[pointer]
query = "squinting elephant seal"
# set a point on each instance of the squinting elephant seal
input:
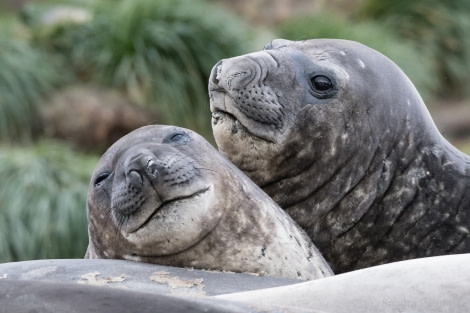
(164, 195)
(339, 137)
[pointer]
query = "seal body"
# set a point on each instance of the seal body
(164, 195)
(428, 285)
(339, 137)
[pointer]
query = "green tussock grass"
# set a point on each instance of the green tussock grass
(159, 51)
(27, 76)
(43, 202)
(440, 29)
(464, 147)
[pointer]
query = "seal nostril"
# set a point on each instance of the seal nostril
(152, 168)
(216, 73)
(135, 178)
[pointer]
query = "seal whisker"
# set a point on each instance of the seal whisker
(107, 215)
(201, 166)
(208, 169)
(122, 221)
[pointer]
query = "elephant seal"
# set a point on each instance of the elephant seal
(164, 195)
(340, 138)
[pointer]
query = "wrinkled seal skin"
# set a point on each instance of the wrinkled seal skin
(339, 137)
(164, 195)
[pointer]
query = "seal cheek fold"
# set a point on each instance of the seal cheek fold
(155, 212)
(141, 216)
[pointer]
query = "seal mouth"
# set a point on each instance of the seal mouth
(220, 116)
(168, 203)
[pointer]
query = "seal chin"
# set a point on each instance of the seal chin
(234, 140)
(176, 226)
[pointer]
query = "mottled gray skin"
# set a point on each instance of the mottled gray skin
(164, 195)
(339, 137)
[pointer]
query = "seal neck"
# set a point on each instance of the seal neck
(411, 197)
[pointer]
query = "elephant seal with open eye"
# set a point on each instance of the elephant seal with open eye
(339, 137)
(164, 195)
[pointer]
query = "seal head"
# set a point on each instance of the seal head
(339, 137)
(142, 190)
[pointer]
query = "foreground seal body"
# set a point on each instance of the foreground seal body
(164, 195)
(339, 137)
(428, 285)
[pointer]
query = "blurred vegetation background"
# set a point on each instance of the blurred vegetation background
(77, 75)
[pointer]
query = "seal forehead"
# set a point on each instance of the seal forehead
(144, 135)
(344, 59)
(345, 53)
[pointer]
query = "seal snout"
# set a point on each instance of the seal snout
(160, 169)
(241, 98)
(129, 196)
(229, 75)
(141, 166)
(225, 76)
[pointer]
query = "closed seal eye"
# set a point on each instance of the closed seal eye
(177, 138)
(102, 177)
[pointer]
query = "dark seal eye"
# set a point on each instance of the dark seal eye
(101, 178)
(322, 83)
(322, 86)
